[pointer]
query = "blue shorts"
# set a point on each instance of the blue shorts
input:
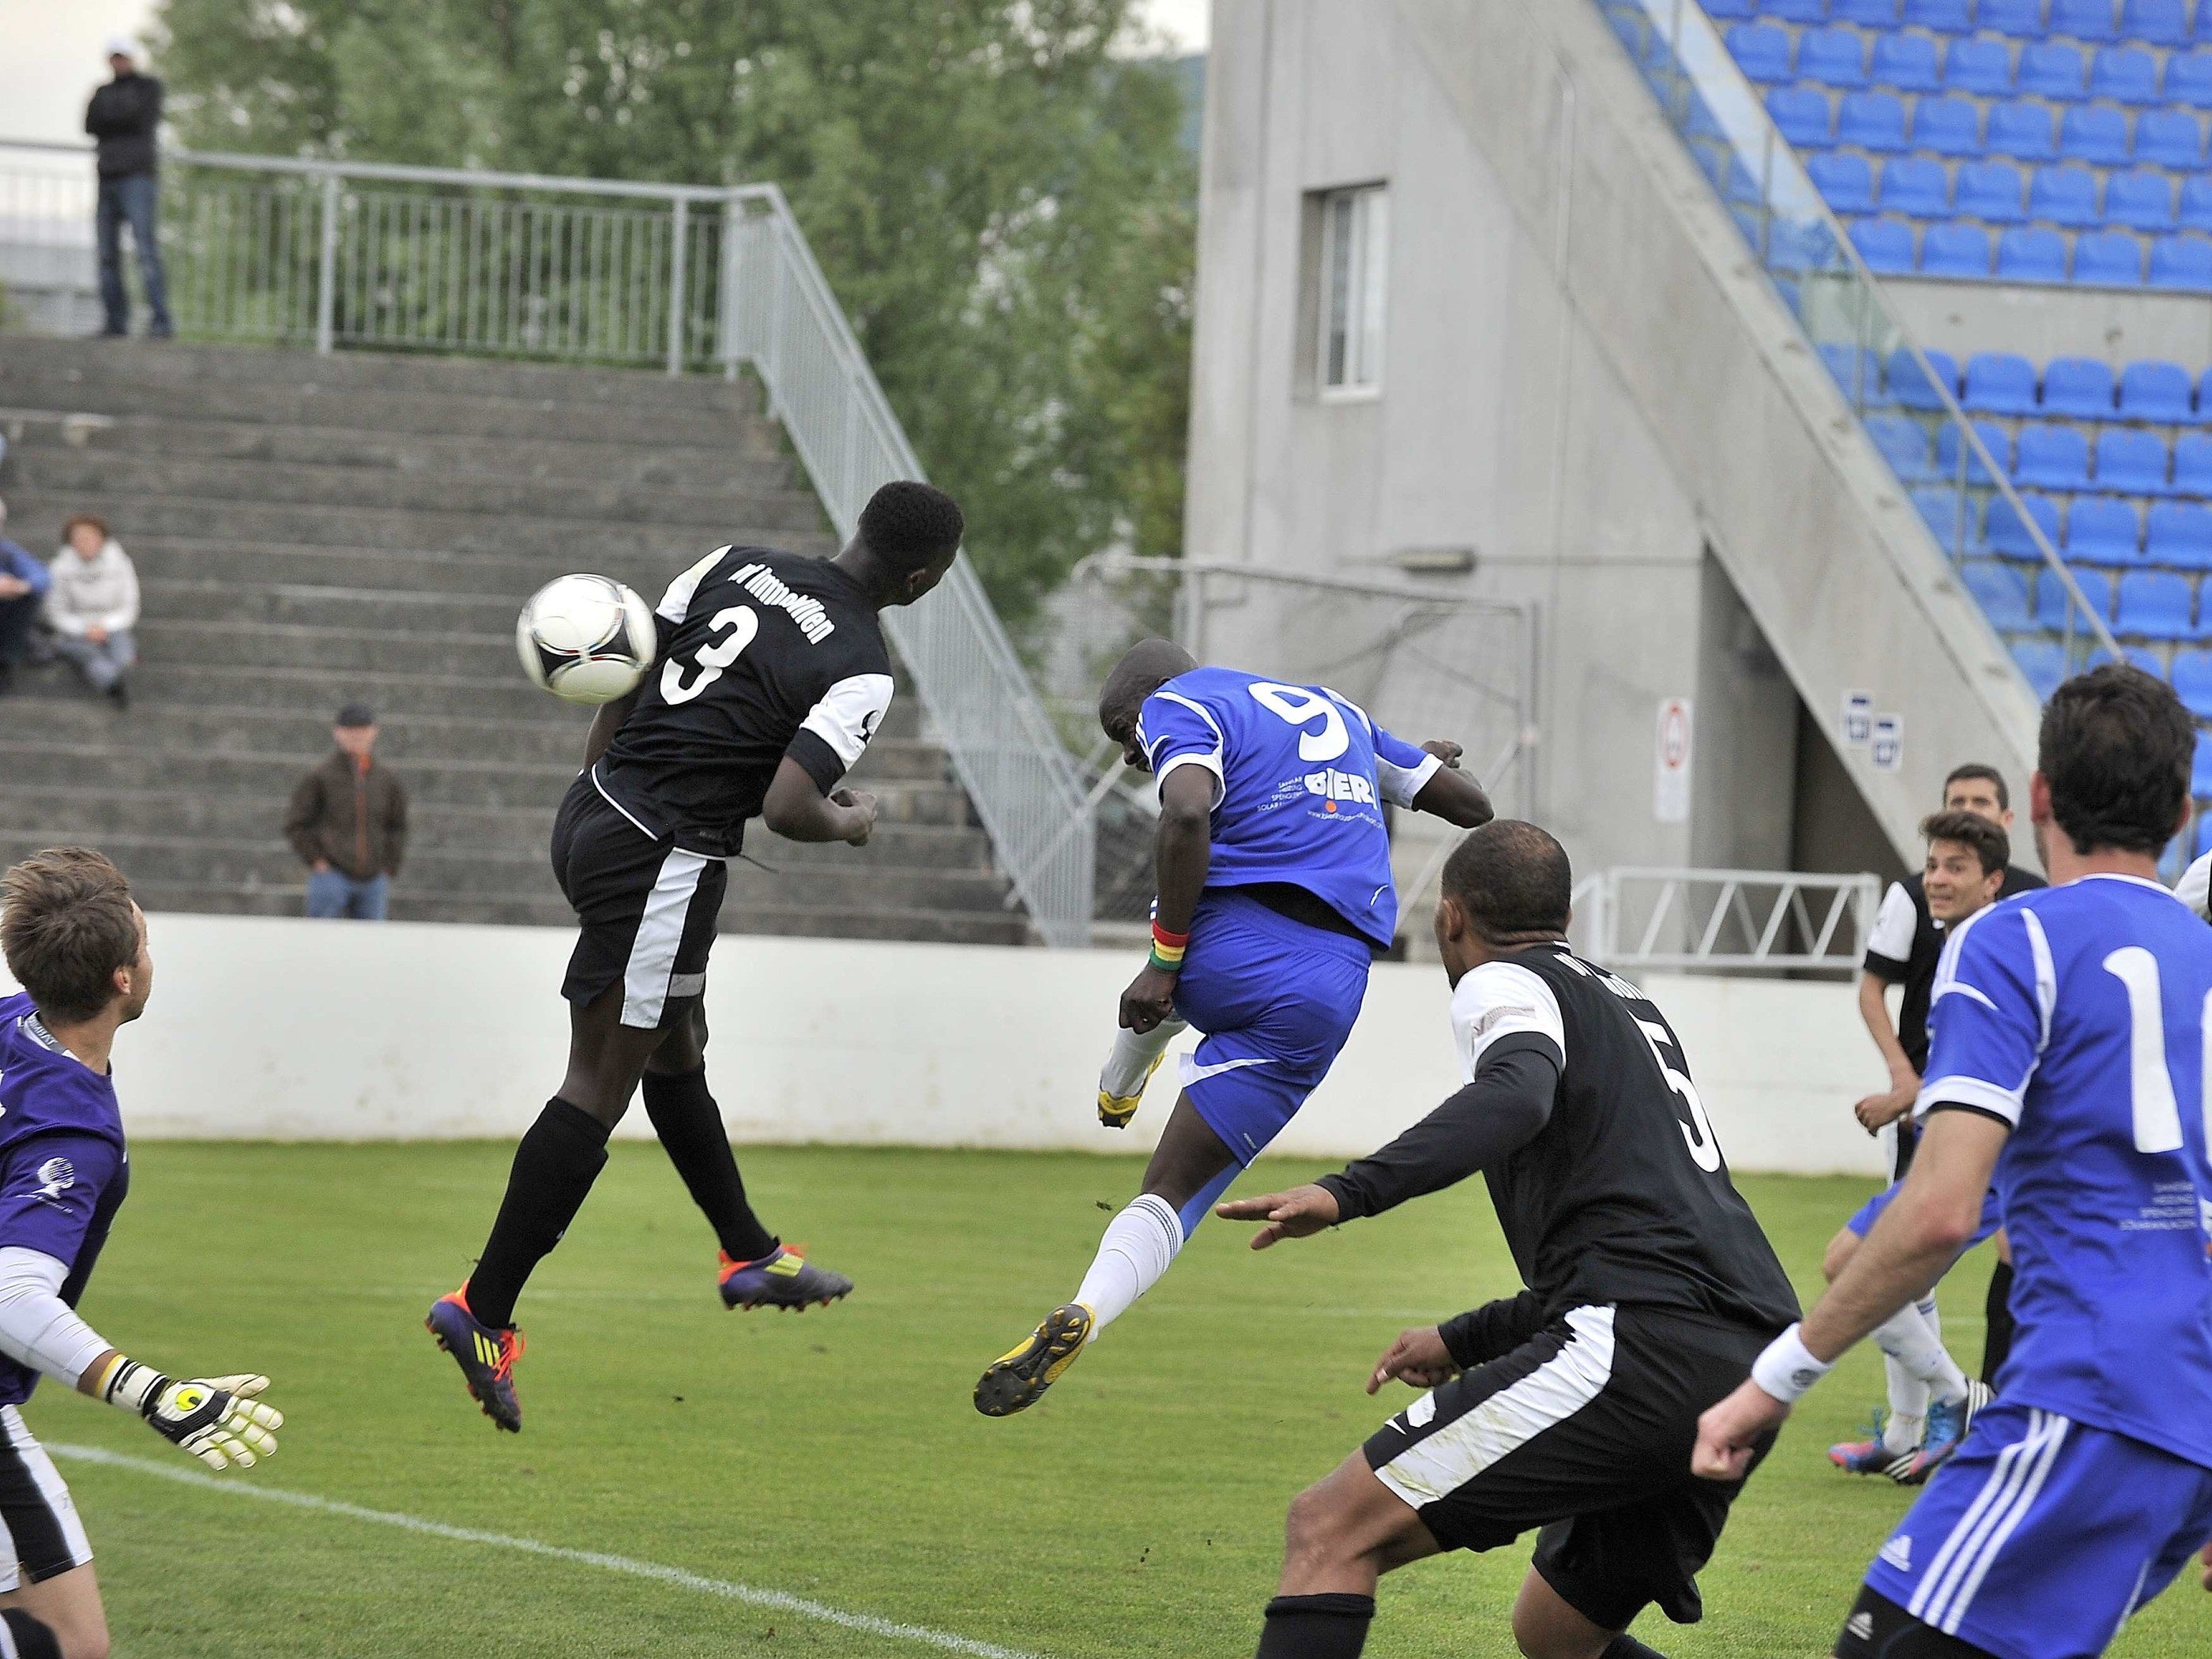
(1276, 999)
(2041, 1535)
(1870, 1211)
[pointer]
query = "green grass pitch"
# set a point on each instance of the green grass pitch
(835, 1455)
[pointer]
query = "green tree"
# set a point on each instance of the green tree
(1001, 201)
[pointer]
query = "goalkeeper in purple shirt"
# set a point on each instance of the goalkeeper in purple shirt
(76, 943)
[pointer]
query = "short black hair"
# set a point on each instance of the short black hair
(910, 525)
(1513, 880)
(1989, 844)
(2116, 750)
(1145, 667)
(1987, 774)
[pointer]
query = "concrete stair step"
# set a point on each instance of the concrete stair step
(244, 561)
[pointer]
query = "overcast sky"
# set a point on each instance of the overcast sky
(50, 54)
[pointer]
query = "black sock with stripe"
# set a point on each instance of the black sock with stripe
(1317, 1626)
(31, 1639)
(1996, 1341)
(559, 1158)
(691, 1131)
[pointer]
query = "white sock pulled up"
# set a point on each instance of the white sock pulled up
(1125, 1067)
(1908, 1337)
(1139, 1245)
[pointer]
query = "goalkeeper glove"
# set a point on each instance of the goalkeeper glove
(217, 1419)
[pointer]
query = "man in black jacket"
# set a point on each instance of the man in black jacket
(122, 116)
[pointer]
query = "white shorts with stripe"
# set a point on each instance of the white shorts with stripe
(44, 1538)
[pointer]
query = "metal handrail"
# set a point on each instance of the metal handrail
(1669, 906)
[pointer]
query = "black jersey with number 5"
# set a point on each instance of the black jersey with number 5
(1623, 1196)
(762, 654)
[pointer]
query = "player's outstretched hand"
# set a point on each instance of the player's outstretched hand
(217, 1419)
(1418, 1359)
(862, 805)
(1729, 1431)
(1299, 1214)
(1446, 752)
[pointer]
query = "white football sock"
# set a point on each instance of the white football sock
(1123, 1073)
(1139, 1244)
(1907, 1422)
(1907, 1337)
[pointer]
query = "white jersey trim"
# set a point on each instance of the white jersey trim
(676, 603)
(1400, 784)
(849, 713)
(1894, 925)
(1499, 998)
(1211, 762)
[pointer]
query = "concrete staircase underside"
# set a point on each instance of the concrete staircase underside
(310, 531)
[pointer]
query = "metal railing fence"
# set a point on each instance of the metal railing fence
(292, 252)
(1725, 919)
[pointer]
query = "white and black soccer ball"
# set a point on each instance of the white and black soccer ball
(585, 639)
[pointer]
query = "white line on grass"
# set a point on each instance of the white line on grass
(777, 1600)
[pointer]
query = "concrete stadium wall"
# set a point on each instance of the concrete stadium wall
(2117, 325)
(275, 1029)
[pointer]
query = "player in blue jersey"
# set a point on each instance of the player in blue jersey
(2067, 1057)
(76, 943)
(1273, 866)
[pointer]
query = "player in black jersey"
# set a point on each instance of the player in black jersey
(1569, 1407)
(771, 676)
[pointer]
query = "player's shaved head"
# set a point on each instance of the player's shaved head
(1145, 667)
(1513, 881)
(910, 525)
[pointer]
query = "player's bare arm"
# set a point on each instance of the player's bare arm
(1915, 1240)
(605, 722)
(1451, 794)
(1893, 1102)
(1182, 855)
(797, 809)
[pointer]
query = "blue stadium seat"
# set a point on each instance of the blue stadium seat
(2052, 457)
(2153, 390)
(2141, 200)
(1998, 383)
(2160, 22)
(2192, 466)
(1873, 14)
(2169, 138)
(1871, 120)
(1760, 49)
(1907, 63)
(2102, 531)
(2091, 133)
(1912, 388)
(2007, 531)
(2022, 19)
(1947, 126)
(2064, 196)
(1939, 509)
(1723, 11)
(2129, 463)
(2031, 255)
(1886, 245)
(2080, 388)
(2124, 75)
(2192, 682)
(2052, 70)
(2085, 20)
(2204, 400)
(2180, 534)
(1833, 58)
(1796, 11)
(1999, 592)
(2108, 258)
(1995, 439)
(1805, 116)
(1799, 244)
(2043, 662)
(2202, 31)
(2189, 79)
(1990, 192)
(2024, 130)
(1915, 186)
(1955, 250)
(1981, 69)
(2052, 602)
(1903, 442)
(2155, 605)
(2200, 767)
(1941, 16)
(2182, 263)
(2197, 203)
(1846, 182)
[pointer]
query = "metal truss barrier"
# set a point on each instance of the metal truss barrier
(1731, 920)
(280, 251)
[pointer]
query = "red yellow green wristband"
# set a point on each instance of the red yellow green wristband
(1168, 949)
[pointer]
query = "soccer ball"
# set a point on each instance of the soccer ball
(585, 639)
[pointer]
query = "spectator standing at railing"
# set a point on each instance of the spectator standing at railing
(23, 583)
(92, 606)
(348, 823)
(123, 117)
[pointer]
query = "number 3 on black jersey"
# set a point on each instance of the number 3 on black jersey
(713, 657)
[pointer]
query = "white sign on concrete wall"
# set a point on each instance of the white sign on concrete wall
(1670, 756)
(1888, 741)
(1858, 719)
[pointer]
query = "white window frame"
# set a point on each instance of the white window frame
(1354, 293)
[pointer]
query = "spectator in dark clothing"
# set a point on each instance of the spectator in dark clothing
(348, 823)
(123, 116)
(23, 582)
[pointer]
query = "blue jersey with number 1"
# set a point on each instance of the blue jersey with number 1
(1300, 776)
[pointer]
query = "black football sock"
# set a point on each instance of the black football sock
(559, 1158)
(1996, 1338)
(1625, 1646)
(1317, 1626)
(32, 1640)
(689, 1125)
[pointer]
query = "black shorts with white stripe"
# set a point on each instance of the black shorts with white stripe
(648, 910)
(44, 1536)
(1584, 1431)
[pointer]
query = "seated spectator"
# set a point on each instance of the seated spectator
(348, 823)
(23, 584)
(92, 606)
